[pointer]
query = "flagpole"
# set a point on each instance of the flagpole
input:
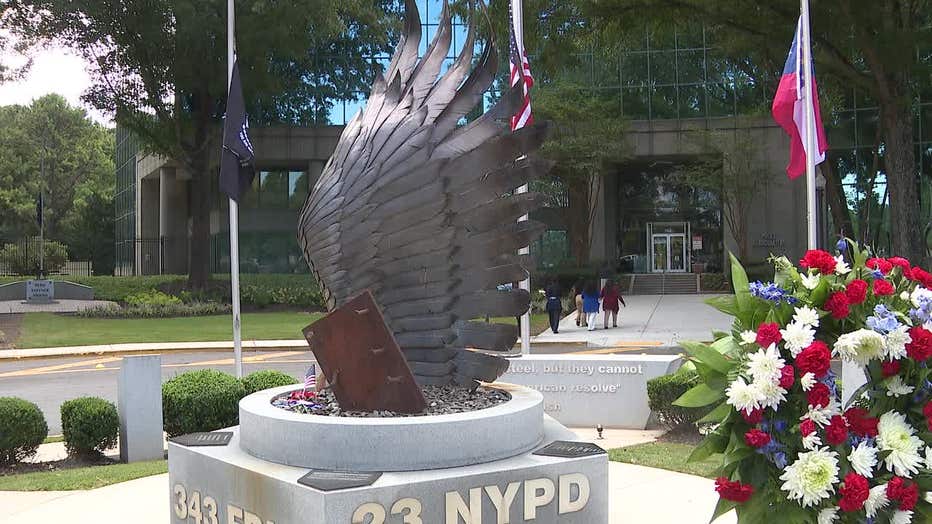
(525, 325)
(811, 144)
(234, 216)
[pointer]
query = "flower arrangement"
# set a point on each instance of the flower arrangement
(788, 445)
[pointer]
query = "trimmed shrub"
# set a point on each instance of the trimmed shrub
(22, 429)
(194, 309)
(663, 391)
(203, 400)
(152, 297)
(90, 425)
(266, 379)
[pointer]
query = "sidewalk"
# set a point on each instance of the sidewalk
(636, 495)
(649, 320)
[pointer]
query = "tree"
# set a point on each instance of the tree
(160, 68)
(870, 45)
(53, 147)
(736, 174)
(587, 135)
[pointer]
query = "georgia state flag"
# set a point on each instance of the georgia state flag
(789, 109)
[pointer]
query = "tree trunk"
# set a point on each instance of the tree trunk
(902, 180)
(199, 248)
(577, 218)
(837, 202)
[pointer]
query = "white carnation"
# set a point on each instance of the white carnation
(748, 337)
(828, 516)
(806, 316)
(812, 477)
(765, 365)
(863, 459)
(901, 517)
(894, 343)
(811, 281)
(797, 337)
(743, 396)
(841, 267)
(899, 438)
(773, 394)
(904, 296)
(896, 387)
(860, 346)
(876, 500)
(807, 381)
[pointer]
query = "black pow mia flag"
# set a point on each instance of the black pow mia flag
(237, 160)
(39, 209)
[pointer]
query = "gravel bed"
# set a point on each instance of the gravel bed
(441, 400)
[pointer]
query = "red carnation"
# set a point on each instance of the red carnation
(821, 260)
(879, 263)
(856, 291)
(920, 275)
(901, 263)
(819, 395)
(861, 423)
(787, 377)
(906, 494)
(920, 348)
(807, 427)
(854, 492)
(889, 368)
(836, 433)
(754, 417)
(733, 490)
(837, 305)
(768, 333)
(756, 438)
(815, 359)
(927, 409)
(883, 288)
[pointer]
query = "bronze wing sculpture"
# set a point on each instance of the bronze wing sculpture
(419, 209)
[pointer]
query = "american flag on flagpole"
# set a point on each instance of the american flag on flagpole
(519, 65)
(310, 378)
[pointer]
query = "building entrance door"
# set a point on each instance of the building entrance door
(668, 253)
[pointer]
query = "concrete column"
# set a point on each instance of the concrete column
(140, 408)
(173, 218)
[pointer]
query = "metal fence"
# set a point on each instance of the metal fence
(21, 258)
(140, 256)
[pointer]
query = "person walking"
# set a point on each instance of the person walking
(611, 296)
(577, 297)
(554, 304)
(591, 303)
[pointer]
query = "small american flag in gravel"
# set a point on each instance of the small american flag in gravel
(310, 378)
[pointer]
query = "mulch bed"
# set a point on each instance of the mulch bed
(68, 463)
(685, 435)
(441, 400)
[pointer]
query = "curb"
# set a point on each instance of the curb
(151, 347)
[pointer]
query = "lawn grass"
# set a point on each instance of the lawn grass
(53, 439)
(81, 478)
(666, 455)
(51, 330)
(540, 322)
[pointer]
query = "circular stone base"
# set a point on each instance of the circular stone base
(390, 443)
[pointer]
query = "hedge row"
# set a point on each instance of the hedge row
(663, 391)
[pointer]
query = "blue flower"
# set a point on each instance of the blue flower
(779, 459)
(771, 292)
(842, 246)
(883, 320)
(877, 274)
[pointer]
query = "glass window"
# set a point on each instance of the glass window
(634, 69)
(663, 102)
(635, 103)
(273, 189)
(690, 67)
(663, 67)
(721, 100)
(297, 188)
(692, 101)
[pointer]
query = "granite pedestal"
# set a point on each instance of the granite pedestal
(227, 484)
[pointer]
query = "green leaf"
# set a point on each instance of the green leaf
(717, 415)
(699, 396)
(727, 304)
(711, 445)
(707, 355)
(723, 506)
(739, 282)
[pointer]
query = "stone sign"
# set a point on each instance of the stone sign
(40, 291)
(585, 390)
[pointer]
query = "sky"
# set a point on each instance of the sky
(55, 70)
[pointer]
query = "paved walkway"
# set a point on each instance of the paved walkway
(636, 495)
(59, 306)
(649, 320)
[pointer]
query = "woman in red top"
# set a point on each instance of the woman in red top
(611, 296)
